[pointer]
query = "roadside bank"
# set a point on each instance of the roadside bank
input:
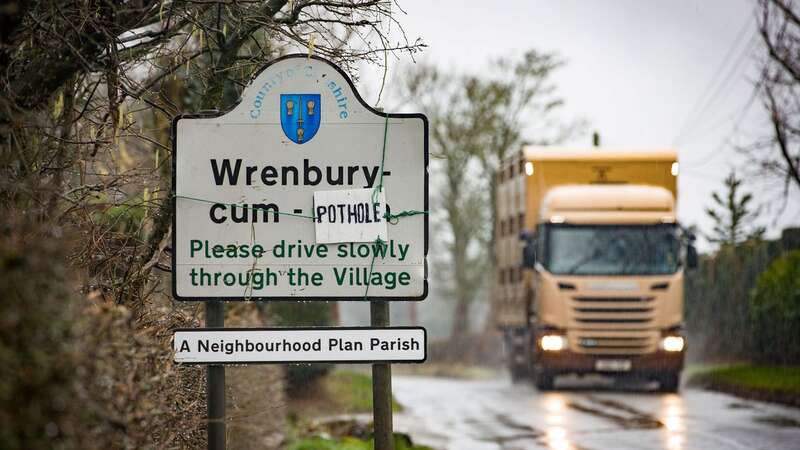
(776, 384)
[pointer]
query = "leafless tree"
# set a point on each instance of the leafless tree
(459, 210)
(517, 103)
(477, 122)
(778, 154)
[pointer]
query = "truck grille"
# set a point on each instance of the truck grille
(614, 299)
(613, 325)
(612, 342)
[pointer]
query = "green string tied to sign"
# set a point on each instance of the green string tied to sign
(394, 219)
(379, 187)
(375, 193)
(381, 247)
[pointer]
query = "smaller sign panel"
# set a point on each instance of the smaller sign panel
(290, 345)
(350, 215)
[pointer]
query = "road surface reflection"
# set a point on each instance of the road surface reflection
(672, 416)
(556, 436)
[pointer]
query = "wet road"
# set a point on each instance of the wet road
(452, 414)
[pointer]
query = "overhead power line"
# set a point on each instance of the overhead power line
(723, 88)
(704, 101)
(716, 151)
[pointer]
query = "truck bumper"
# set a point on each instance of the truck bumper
(564, 362)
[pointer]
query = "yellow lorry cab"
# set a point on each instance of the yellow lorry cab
(590, 263)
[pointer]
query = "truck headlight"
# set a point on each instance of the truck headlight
(672, 343)
(553, 342)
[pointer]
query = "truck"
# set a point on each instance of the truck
(589, 264)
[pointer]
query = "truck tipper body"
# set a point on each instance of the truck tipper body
(590, 263)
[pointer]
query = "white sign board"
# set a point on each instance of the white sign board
(275, 345)
(244, 192)
(352, 215)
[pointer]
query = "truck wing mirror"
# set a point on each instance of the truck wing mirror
(691, 256)
(528, 249)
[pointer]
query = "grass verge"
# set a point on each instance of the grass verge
(338, 392)
(334, 413)
(779, 384)
(352, 391)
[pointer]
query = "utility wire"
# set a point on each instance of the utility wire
(723, 87)
(702, 100)
(705, 159)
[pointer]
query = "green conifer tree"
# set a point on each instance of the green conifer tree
(733, 215)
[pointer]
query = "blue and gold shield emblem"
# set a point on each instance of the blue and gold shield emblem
(300, 116)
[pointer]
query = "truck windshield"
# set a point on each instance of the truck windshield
(611, 249)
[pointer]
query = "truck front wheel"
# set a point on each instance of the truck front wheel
(518, 354)
(669, 382)
(519, 367)
(543, 380)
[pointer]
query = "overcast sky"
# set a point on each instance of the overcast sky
(649, 74)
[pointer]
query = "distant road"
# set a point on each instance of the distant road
(450, 414)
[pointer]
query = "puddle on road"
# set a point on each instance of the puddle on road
(554, 438)
(778, 421)
(737, 405)
(775, 420)
(616, 405)
(631, 419)
(514, 425)
(506, 439)
(520, 431)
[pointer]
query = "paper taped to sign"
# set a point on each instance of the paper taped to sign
(350, 215)
(285, 345)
